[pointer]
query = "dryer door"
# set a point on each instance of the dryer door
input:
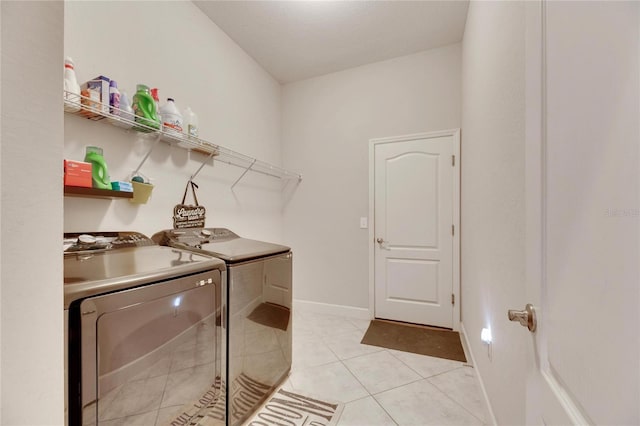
(156, 350)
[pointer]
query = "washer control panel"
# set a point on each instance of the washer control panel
(193, 237)
(90, 241)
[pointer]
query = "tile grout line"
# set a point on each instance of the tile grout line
(383, 409)
(415, 371)
(415, 381)
(369, 394)
(373, 394)
(445, 372)
(399, 386)
(456, 402)
(377, 403)
(355, 356)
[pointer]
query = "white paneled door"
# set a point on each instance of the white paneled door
(583, 174)
(415, 225)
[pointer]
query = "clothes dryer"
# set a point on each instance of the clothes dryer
(259, 328)
(142, 329)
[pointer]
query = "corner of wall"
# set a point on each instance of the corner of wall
(489, 417)
(31, 349)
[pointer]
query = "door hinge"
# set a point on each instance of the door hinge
(453, 230)
(453, 160)
(453, 299)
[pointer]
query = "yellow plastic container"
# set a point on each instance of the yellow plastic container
(141, 192)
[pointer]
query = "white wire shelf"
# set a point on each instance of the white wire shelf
(93, 110)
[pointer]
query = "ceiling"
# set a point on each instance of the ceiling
(295, 40)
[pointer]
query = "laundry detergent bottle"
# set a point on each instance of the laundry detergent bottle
(144, 107)
(99, 172)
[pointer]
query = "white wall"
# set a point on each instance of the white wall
(327, 124)
(175, 47)
(31, 350)
(492, 198)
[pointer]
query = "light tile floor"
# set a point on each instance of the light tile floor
(379, 386)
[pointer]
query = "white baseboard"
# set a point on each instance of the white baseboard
(330, 309)
(490, 418)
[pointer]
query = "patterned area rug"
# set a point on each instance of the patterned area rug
(288, 408)
(282, 408)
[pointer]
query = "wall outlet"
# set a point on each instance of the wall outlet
(364, 223)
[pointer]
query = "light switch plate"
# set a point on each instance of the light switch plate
(364, 223)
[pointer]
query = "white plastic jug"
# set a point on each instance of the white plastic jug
(171, 117)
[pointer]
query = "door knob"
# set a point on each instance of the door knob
(526, 318)
(382, 243)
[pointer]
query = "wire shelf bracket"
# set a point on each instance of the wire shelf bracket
(204, 162)
(243, 173)
(146, 156)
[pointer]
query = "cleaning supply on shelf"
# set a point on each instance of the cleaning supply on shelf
(144, 108)
(114, 96)
(171, 117)
(99, 172)
(142, 188)
(77, 173)
(90, 103)
(100, 84)
(71, 87)
(122, 186)
(190, 123)
(156, 98)
(124, 111)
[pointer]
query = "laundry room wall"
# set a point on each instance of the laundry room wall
(31, 305)
(493, 199)
(173, 46)
(327, 124)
